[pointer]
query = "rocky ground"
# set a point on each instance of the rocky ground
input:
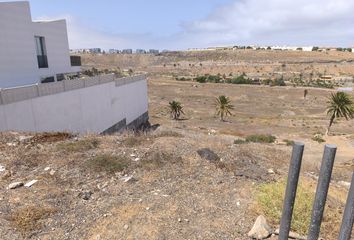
(159, 185)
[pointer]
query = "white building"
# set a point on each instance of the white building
(32, 52)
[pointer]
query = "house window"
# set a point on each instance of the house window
(41, 52)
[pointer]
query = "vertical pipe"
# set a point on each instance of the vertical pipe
(321, 191)
(348, 217)
(291, 187)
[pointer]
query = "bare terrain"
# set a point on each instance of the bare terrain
(155, 185)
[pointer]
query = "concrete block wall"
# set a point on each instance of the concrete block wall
(90, 105)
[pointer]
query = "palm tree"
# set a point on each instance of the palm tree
(339, 105)
(176, 109)
(223, 106)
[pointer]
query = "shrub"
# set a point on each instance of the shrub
(201, 79)
(108, 163)
(318, 138)
(239, 141)
(242, 79)
(79, 146)
(289, 142)
(261, 138)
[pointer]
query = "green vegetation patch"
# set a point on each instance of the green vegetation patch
(261, 138)
(108, 163)
(79, 146)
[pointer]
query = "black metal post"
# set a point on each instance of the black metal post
(291, 187)
(322, 191)
(348, 216)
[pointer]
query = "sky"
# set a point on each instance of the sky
(183, 24)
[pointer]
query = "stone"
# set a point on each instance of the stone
(52, 172)
(126, 226)
(30, 183)
(85, 195)
(292, 235)
(15, 185)
(344, 184)
(2, 168)
(128, 179)
(260, 229)
(47, 169)
(270, 171)
(208, 154)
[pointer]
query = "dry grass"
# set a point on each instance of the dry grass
(51, 137)
(157, 159)
(79, 146)
(28, 219)
(108, 163)
(270, 197)
(168, 134)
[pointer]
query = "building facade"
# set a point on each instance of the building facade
(32, 52)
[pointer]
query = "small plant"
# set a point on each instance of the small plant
(261, 138)
(289, 142)
(239, 141)
(79, 146)
(318, 138)
(176, 109)
(223, 107)
(108, 163)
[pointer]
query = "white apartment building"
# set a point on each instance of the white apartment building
(32, 52)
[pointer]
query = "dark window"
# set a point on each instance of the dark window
(47, 80)
(41, 52)
(75, 61)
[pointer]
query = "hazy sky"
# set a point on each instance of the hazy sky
(181, 24)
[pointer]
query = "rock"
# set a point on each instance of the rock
(15, 185)
(129, 179)
(11, 144)
(270, 171)
(126, 226)
(47, 169)
(2, 168)
(52, 172)
(30, 183)
(136, 159)
(292, 235)
(85, 195)
(23, 139)
(208, 154)
(344, 184)
(260, 229)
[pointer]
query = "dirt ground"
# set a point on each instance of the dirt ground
(155, 185)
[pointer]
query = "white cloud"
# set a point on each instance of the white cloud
(269, 22)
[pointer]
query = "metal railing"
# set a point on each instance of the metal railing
(320, 198)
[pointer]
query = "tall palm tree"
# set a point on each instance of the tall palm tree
(339, 105)
(176, 109)
(223, 106)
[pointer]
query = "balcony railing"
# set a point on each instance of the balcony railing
(42, 61)
(75, 61)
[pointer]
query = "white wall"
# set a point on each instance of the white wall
(90, 109)
(18, 57)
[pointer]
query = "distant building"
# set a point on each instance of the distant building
(113, 51)
(94, 50)
(153, 51)
(127, 51)
(140, 51)
(32, 52)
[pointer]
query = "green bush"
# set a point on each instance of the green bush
(242, 79)
(261, 138)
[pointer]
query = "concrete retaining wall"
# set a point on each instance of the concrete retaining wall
(91, 105)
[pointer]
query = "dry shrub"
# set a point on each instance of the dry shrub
(108, 163)
(168, 134)
(134, 140)
(27, 219)
(157, 159)
(51, 137)
(30, 158)
(79, 146)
